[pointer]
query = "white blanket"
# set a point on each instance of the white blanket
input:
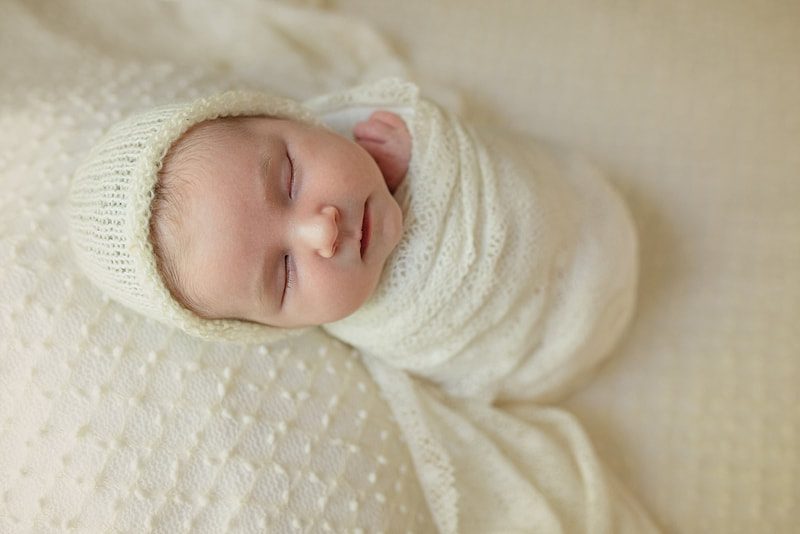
(516, 271)
(521, 468)
(113, 423)
(513, 277)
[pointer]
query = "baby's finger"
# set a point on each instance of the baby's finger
(392, 120)
(372, 130)
(381, 126)
(372, 146)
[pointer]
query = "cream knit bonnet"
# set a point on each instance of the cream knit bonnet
(110, 208)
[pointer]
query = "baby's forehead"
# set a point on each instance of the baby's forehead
(202, 142)
(210, 131)
(201, 148)
(198, 146)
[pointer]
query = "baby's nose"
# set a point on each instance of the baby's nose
(320, 231)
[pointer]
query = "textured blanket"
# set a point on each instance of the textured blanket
(516, 271)
(113, 423)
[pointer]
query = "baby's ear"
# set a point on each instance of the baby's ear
(386, 138)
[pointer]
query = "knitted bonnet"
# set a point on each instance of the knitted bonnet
(110, 208)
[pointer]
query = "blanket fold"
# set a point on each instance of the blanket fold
(517, 469)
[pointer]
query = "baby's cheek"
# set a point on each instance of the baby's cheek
(350, 294)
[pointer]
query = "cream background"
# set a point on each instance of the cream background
(694, 108)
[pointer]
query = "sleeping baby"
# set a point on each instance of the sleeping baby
(489, 264)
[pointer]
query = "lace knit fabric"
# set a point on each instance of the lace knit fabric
(516, 271)
(485, 469)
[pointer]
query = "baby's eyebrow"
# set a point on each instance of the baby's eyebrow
(264, 168)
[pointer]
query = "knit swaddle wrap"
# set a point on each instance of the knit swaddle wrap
(516, 270)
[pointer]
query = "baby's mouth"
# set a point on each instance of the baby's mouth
(366, 229)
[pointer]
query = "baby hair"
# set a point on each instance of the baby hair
(167, 231)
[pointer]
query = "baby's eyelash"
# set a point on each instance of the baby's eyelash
(289, 276)
(291, 175)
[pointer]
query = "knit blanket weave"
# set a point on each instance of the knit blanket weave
(112, 423)
(516, 271)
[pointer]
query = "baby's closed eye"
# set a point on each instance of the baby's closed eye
(291, 175)
(289, 275)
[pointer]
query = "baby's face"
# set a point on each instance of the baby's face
(282, 223)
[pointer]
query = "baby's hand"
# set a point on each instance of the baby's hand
(385, 136)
